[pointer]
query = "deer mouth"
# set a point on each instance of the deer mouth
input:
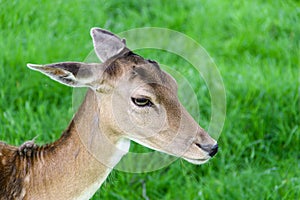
(208, 150)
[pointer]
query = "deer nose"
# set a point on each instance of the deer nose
(212, 150)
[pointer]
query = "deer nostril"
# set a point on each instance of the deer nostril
(213, 150)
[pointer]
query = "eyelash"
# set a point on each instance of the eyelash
(142, 102)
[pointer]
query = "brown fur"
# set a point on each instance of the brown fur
(60, 170)
(16, 164)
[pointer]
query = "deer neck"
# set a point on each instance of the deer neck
(93, 126)
(83, 156)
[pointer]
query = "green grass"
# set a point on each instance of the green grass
(255, 45)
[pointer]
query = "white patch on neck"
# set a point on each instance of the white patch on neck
(122, 147)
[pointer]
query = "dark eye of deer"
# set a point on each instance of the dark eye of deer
(142, 102)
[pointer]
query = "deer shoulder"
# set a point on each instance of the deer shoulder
(15, 163)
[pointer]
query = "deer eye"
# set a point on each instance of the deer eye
(142, 102)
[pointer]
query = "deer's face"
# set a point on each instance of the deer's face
(145, 108)
(137, 100)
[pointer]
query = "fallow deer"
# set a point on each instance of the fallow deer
(129, 98)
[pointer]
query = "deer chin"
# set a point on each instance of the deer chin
(197, 161)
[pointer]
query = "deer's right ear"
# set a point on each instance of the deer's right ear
(106, 44)
(75, 74)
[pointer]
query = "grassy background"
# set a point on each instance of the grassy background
(255, 44)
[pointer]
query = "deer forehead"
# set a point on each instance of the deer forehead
(141, 73)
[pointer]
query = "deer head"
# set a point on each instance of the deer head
(136, 99)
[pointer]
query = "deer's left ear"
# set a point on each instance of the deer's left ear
(74, 74)
(107, 44)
